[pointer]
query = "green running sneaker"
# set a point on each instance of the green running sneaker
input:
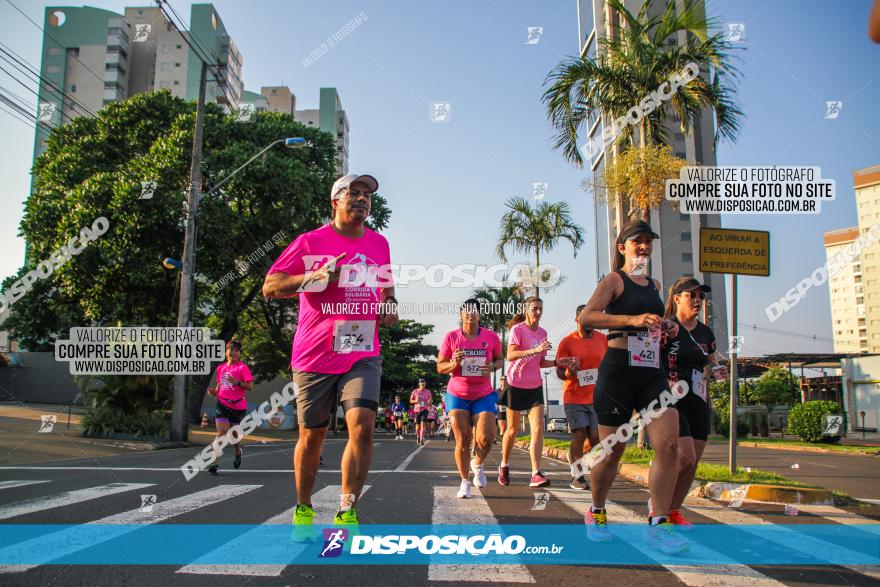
(346, 518)
(303, 518)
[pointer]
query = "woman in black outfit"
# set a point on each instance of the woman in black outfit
(691, 356)
(627, 303)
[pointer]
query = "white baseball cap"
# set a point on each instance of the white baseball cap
(346, 180)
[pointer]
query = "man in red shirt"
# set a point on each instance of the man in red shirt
(580, 354)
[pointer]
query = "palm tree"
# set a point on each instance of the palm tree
(634, 62)
(527, 229)
(503, 299)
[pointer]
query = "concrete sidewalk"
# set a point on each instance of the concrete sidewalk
(22, 442)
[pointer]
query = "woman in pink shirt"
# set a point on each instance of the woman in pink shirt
(526, 350)
(469, 355)
(234, 380)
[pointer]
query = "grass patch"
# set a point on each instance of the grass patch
(794, 443)
(721, 473)
(705, 472)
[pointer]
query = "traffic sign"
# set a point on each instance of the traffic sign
(739, 252)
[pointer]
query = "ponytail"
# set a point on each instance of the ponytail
(521, 316)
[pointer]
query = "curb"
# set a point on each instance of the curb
(638, 474)
(809, 449)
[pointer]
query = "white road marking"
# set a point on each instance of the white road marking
(66, 542)
(402, 467)
(324, 503)
(449, 509)
(11, 484)
(728, 574)
(782, 535)
(29, 506)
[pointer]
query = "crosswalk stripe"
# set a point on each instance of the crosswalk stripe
(324, 502)
(784, 536)
(829, 512)
(29, 506)
(449, 509)
(11, 484)
(66, 542)
(729, 573)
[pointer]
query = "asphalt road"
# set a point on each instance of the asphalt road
(857, 475)
(407, 486)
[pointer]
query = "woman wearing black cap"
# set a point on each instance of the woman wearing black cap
(627, 303)
(690, 356)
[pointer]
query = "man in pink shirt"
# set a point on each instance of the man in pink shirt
(341, 273)
(421, 399)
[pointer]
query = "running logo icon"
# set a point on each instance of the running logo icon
(539, 189)
(142, 32)
(535, 33)
(832, 109)
(47, 423)
(441, 112)
(334, 539)
(736, 32)
(147, 189)
(147, 503)
(47, 112)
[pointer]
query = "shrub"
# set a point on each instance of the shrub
(106, 420)
(807, 420)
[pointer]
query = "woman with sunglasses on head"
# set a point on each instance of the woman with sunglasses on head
(691, 357)
(627, 303)
(469, 355)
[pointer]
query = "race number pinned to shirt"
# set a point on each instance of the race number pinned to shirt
(644, 351)
(351, 336)
(699, 384)
(587, 376)
(472, 366)
(421, 404)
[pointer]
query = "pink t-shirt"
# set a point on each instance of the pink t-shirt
(478, 352)
(337, 323)
(421, 399)
(526, 372)
(227, 393)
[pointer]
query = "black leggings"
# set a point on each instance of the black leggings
(620, 388)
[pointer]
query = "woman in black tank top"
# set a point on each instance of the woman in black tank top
(627, 303)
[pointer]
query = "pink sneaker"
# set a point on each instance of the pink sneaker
(539, 480)
(504, 475)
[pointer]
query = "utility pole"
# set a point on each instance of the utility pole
(179, 414)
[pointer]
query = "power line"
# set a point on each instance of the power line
(99, 78)
(28, 69)
(16, 116)
(25, 86)
(201, 52)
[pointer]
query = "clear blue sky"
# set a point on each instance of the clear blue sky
(446, 182)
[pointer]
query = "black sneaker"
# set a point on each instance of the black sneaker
(579, 483)
(237, 462)
(213, 469)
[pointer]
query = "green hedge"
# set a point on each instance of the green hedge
(807, 420)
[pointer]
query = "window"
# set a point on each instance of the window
(686, 236)
(164, 67)
(53, 69)
(73, 87)
(167, 49)
(177, 47)
(54, 51)
(176, 65)
(176, 82)
(860, 300)
(684, 217)
(164, 84)
(687, 257)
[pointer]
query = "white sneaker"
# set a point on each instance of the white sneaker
(479, 474)
(465, 489)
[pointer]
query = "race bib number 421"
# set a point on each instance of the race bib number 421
(644, 351)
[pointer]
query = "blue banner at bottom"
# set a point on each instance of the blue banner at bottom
(558, 544)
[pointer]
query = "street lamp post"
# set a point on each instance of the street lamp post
(179, 425)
